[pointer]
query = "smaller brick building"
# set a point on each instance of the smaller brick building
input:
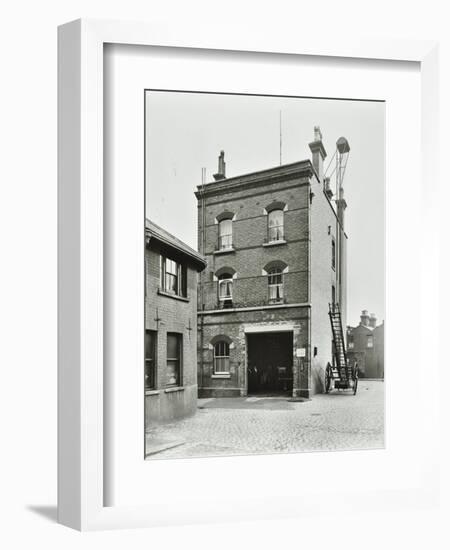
(365, 344)
(171, 269)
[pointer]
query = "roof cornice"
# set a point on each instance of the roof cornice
(302, 169)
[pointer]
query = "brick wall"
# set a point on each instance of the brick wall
(234, 325)
(248, 204)
(249, 234)
(169, 314)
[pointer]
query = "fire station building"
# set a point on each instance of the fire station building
(275, 247)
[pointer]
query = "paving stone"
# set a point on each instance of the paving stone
(237, 426)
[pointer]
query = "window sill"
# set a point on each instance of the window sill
(174, 296)
(151, 392)
(224, 375)
(175, 389)
(224, 251)
(275, 243)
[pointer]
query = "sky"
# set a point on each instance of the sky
(185, 132)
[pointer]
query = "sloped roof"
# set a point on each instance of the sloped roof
(164, 237)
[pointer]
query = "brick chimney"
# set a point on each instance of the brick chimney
(365, 318)
(318, 153)
(221, 171)
(372, 320)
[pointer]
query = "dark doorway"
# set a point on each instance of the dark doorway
(269, 363)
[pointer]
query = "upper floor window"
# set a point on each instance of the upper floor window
(276, 225)
(225, 234)
(350, 342)
(275, 284)
(173, 278)
(221, 357)
(226, 287)
(370, 340)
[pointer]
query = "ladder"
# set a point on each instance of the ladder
(341, 368)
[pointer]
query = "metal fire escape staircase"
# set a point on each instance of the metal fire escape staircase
(341, 369)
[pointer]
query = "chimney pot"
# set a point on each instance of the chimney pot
(365, 318)
(222, 165)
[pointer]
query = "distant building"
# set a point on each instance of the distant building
(365, 344)
(170, 326)
(275, 247)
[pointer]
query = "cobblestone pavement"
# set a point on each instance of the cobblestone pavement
(229, 426)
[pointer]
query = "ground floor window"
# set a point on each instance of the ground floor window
(221, 358)
(150, 359)
(174, 359)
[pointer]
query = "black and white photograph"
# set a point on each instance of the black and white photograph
(264, 274)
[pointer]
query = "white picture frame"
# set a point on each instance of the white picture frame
(81, 482)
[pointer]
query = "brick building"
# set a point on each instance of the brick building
(276, 257)
(365, 344)
(170, 326)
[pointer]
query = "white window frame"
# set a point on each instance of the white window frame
(228, 296)
(221, 357)
(230, 235)
(276, 227)
(279, 286)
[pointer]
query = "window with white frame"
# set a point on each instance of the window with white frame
(276, 225)
(370, 340)
(173, 277)
(275, 279)
(225, 287)
(225, 234)
(221, 357)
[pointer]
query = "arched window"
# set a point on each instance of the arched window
(225, 234)
(221, 357)
(276, 225)
(275, 278)
(226, 287)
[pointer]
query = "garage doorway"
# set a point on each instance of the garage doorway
(269, 363)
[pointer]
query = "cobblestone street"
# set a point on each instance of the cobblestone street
(252, 425)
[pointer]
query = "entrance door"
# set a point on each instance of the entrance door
(269, 363)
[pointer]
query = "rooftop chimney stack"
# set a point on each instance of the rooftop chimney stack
(221, 171)
(372, 320)
(318, 153)
(365, 318)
